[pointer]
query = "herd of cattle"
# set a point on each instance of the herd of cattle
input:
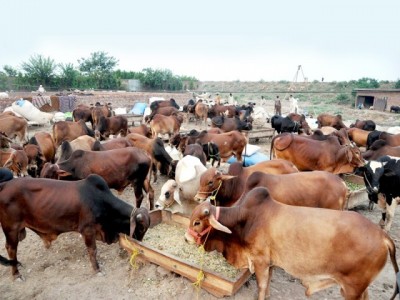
(289, 211)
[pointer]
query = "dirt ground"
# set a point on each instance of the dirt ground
(64, 270)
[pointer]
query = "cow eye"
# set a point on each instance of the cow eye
(167, 194)
(210, 183)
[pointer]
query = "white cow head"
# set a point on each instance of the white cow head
(169, 197)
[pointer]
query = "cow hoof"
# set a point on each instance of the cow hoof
(100, 274)
(19, 278)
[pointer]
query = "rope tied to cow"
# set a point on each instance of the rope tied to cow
(135, 253)
(200, 275)
(213, 196)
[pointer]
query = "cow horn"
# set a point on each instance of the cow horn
(217, 225)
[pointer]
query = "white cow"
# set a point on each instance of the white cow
(260, 116)
(31, 113)
(4, 95)
(178, 195)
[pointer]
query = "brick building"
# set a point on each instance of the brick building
(380, 99)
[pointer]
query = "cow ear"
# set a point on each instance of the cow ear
(63, 173)
(349, 154)
(389, 173)
(227, 177)
(218, 226)
(176, 197)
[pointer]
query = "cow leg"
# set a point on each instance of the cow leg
(154, 168)
(262, 271)
(383, 207)
(89, 236)
(350, 294)
(390, 209)
(138, 188)
(150, 192)
(12, 239)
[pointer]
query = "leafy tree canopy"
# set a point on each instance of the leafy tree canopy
(40, 69)
(98, 62)
(367, 83)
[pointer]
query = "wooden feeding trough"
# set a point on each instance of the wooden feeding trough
(132, 119)
(358, 194)
(217, 284)
(256, 134)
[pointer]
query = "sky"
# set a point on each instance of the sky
(215, 40)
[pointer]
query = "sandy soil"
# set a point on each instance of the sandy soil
(64, 270)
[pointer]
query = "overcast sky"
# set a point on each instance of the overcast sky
(217, 40)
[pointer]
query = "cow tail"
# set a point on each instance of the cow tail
(392, 253)
(7, 262)
(271, 151)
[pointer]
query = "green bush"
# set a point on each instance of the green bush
(343, 98)
(397, 85)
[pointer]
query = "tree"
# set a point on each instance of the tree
(10, 71)
(40, 70)
(99, 67)
(161, 80)
(69, 76)
(367, 83)
(397, 85)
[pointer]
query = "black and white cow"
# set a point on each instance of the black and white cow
(382, 179)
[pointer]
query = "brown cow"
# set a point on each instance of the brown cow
(163, 110)
(143, 129)
(155, 148)
(68, 131)
(391, 139)
(112, 125)
(83, 142)
(227, 188)
(51, 207)
(330, 120)
(166, 124)
(367, 125)
(222, 110)
(310, 154)
(201, 112)
(210, 149)
(99, 111)
(196, 150)
(229, 143)
(380, 148)
(321, 247)
(163, 103)
(14, 127)
(83, 112)
(358, 136)
(6, 114)
(5, 141)
(312, 189)
(327, 130)
(116, 143)
(230, 124)
(15, 160)
(40, 149)
(119, 168)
